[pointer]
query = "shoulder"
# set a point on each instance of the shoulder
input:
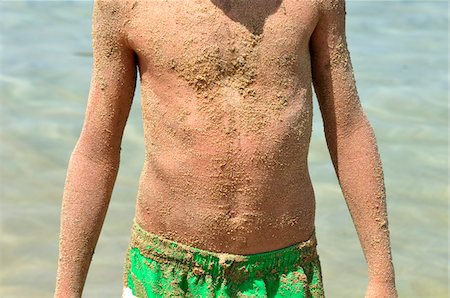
(332, 12)
(114, 4)
(111, 17)
(331, 6)
(112, 10)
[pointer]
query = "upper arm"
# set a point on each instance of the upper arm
(112, 85)
(332, 71)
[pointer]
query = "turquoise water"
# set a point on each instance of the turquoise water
(400, 56)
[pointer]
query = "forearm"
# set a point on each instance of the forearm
(359, 170)
(87, 192)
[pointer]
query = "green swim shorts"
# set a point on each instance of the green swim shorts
(158, 267)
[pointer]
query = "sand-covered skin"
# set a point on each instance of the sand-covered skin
(227, 111)
(226, 101)
(352, 145)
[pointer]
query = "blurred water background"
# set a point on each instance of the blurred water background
(400, 57)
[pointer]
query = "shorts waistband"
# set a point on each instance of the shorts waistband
(233, 266)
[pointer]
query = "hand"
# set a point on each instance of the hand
(377, 289)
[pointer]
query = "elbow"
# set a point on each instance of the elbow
(349, 135)
(355, 126)
(97, 150)
(347, 126)
(351, 145)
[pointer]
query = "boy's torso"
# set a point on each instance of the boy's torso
(227, 113)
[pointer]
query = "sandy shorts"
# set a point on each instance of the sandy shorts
(158, 267)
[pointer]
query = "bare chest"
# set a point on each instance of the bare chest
(224, 70)
(208, 42)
